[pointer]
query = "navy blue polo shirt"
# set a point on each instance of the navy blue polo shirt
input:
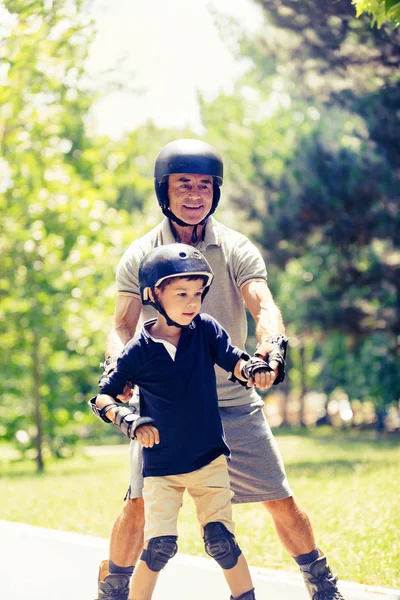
(179, 395)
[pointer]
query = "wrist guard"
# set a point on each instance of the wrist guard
(109, 366)
(125, 417)
(276, 352)
(128, 421)
(253, 365)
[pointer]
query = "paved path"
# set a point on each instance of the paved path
(43, 564)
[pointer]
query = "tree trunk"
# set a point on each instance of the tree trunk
(286, 390)
(36, 398)
(303, 390)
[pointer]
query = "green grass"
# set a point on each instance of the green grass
(349, 487)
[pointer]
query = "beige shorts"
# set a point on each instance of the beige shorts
(256, 469)
(209, 487)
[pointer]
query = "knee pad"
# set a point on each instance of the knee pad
(246, 596)
(221, 545)
(159, 551)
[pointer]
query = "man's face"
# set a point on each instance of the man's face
(190, 196)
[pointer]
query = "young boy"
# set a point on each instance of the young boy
(180, 429)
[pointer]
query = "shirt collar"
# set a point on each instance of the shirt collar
(147, 335)
(145, 327)
(212, 235)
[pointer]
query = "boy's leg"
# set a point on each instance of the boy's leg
(239, 580)
(210, 490)
(162, 500)
(143, 582)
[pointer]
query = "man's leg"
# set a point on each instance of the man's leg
(126, 543)
(126, 536)
(295, 532)
(292, 525)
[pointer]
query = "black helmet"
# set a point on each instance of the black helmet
(187, 156)
(171, 260)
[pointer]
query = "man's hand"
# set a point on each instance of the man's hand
(127, 393)
(273, 350)
(147, 435)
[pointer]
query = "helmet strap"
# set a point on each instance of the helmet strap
(159, 307)
(195, 239)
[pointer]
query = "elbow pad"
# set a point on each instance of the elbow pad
(100, 412)
(109, 366)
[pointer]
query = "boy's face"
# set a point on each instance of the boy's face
(181, 299)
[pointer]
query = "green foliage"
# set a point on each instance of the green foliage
(61, 236)
(310, 141)
(310, 138)
(382, 11)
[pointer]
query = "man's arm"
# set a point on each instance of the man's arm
(126, 318)
(267, 318)
(262, 307)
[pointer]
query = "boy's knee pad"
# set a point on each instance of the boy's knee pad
(221, 545)
(159, 551)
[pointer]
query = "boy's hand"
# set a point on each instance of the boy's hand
(147, 435)
(257, 372)
(265, 378)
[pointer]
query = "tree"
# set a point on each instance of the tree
(382, 11)
(60, 237)
(311, 136)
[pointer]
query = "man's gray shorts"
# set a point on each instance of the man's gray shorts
(256, 468)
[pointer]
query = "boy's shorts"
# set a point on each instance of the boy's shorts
(256, 469)
(209, 487)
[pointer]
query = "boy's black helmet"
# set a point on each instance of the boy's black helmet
(171, 260)
(187, 156)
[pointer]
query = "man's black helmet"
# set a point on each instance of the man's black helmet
(171, 260)
(187, 156)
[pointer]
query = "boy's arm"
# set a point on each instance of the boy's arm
(248, 371)
(124, 417)
(106, 406)
(253, 371)
(126, 318)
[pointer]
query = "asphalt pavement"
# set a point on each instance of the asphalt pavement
(44, 564)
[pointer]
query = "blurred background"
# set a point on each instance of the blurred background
(302, 99)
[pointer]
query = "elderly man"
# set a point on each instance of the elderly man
(188, 179)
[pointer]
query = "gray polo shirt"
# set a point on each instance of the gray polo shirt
(234, 260)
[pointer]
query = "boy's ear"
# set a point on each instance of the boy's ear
(151, 295)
